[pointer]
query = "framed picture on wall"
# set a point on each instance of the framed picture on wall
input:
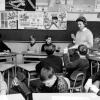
(20, 5)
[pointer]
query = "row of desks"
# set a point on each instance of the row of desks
(31, 67)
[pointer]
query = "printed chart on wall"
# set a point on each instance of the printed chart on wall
(8, 19)
(42, 20)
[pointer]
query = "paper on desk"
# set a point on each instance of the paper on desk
(2, 53)
(30, 51)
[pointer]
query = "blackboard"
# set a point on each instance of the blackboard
(57, 35)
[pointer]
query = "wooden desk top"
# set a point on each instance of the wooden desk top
(5, 66)
(28, 67)
(30, 53)
(4, 54)
(65, 96)
(94, 57)
(12, 97)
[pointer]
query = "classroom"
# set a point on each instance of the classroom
(49, 49)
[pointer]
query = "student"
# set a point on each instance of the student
(53, 60)
(19, 86)
(79, 64)
(3, 85)
(3, 46)
(32, 44)
(83, 35)
(93, 84)
(51, 82)
(48, 42)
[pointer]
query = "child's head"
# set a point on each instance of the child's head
(48, 39)
(82, 49)
(32, 39)
(48, 76)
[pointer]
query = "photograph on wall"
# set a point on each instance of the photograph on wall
(20, 5)
(55, 20)
(30, 20)
(8, 19)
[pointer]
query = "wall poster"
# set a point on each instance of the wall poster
(42, 20)
(8, 19)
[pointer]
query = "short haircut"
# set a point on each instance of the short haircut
(50, 49)
(82, 49)
(48, 36)
(83, 19)
(46, 73)
(32, 37)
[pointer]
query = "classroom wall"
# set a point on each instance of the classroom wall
(57, 35)
(19, 46)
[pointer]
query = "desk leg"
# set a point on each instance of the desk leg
(28, 78)
(8, 81)
(98, 66)
(91, 69)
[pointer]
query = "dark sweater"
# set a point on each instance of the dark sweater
(4, 47)
(60, 86)
(53, 61)
(78, 64)
(45, 46)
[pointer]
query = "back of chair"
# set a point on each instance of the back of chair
(78, 76)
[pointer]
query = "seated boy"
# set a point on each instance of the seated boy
(51, 82)
(79, 64)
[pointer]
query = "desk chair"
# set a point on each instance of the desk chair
(95, 65)
(78, 77)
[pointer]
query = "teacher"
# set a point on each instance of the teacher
(83, 36)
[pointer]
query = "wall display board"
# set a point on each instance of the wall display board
(42, 20)
(8, 19)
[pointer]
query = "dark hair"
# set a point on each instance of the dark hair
(82, 49)
(32, 37)
(46, 73)
(47, 36)
(50, 49)
(83, 19)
